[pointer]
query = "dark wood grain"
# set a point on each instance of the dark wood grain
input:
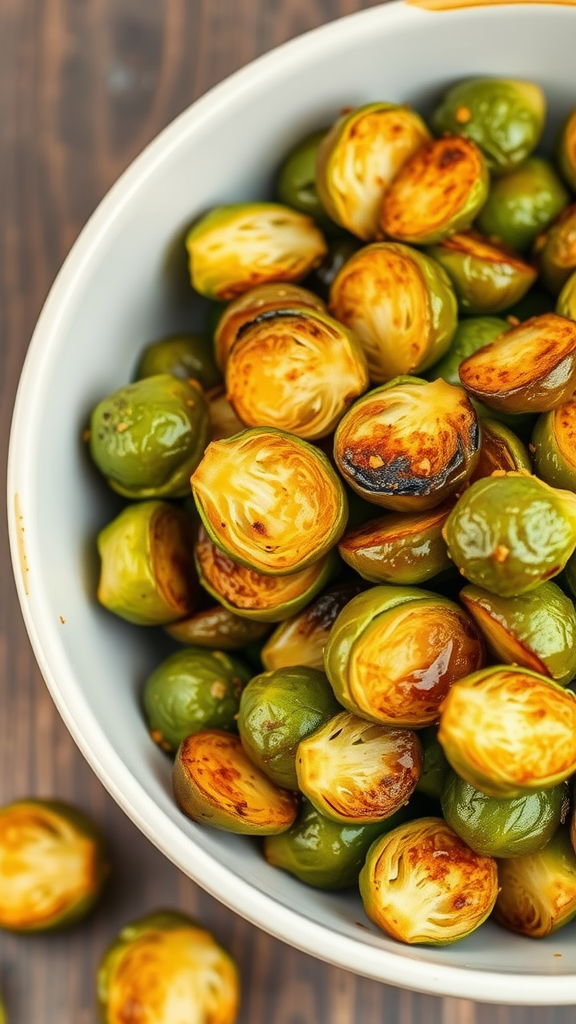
(84, 85)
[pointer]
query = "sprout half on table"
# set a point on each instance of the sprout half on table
(347, 509)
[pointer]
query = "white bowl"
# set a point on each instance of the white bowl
(112, 296)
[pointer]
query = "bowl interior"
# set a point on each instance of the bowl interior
(125, 284)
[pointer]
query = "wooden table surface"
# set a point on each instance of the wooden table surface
(84, 85)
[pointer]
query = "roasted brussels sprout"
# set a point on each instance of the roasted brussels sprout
(522, 204)
(471, 334)
(233, 248)
(408, 445)
(553, 445)
(495, 827)
(217, 784)
(277, 710)
(324, 853)
(148, 437)
(535, 630)
(301, 639)
(555, 251)
(265, 298)
(147, 573)
(399, 548)
(531, 368)
(218, 628)
(508, 731)
(399, 303)
(323, 276)
(422, 884)
(296, 181)
(53, 865)
(188, 356)
(354, 771)
(166, 968)
(270, 500)
(503, 116)
(358, 159)
(510, 533)
(538, 891)
(435, 767)
(191, 690)
(567, 151)
(393, 653)
(255, 595)
(439, 191)
(500, 451)
(487, 277)
(297, 370)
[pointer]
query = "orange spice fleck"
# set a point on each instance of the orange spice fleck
(463, 115)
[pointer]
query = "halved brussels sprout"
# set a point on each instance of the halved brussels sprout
(233, 248)
(53, 865)
(216, 783)
(500, 451)
(510, 533)
(166, 968)
(408, 445)
(531, 368)
(270, 500)
(393, 653)
(422, 884)
(538, 892)
(296, 181)
(553, 444)
(277, 710)
(296, 370)
(187, 356)
(567, 151)
(399, 303)
(323, 276)
(555, 251)
(301, 639)
(438, 192)
(435, 767)
(265, 298)
(147, 573)
(352, 770)
(223, 420)
(523, 203)
(255, 595)
(487, 277)
(399, 548)
(148, 437)
(535, 630)
(503, 116)
(358, 159)
(219, 628)
(508, 731)
(191, 690)
(496, 827)
(324, 853)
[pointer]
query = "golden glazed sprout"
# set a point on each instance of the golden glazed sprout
(270, 500)
(298, 371)
(234, 248)
(353, 770)
(166, 969)
(422, 884)
(409, 445)
(538, 891)
(509, 731)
